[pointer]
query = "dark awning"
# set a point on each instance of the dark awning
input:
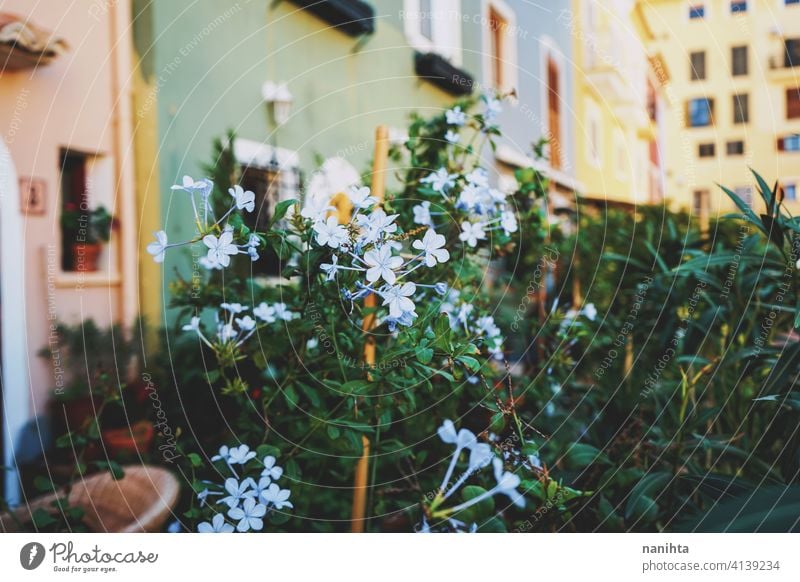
(23, 45)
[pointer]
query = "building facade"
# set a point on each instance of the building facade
(65, 116)
(303, 85)
(527, 51)
(621, 109)
(735, 87)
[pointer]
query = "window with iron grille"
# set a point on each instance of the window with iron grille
(698, 65)
(706, 150)
(739, 65)
(735, 148)
(741, 108)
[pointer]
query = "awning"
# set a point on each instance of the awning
(23, 45)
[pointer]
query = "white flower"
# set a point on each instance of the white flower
(226, 332)
(246, 323)
(236, 308)
(360, 197)
(375, 225)
(202, 187)
(487, 326)
(240, 455)
(331, 269)
(282, 312)
(244, 199)
(236, 492)
(507, 483)
(471, 196)
(451, 137)
(508, 221)
(590, 311)
(209, 264)
(271, 470)
(422, 214)
(440, 180)
(480, 456)
(455, 116)
(315, 208)
(277, 497)
(249, 515)
(220, 249)
(330, 233)
(223, 455)
(397, 298)
(492, 107)
(471, 233)
(253, 252)
(217, 525)
(193, 325)
(265, 313)
(432, 245)
(382, 263)
(478, 177)
(462, 438)
(158, 248)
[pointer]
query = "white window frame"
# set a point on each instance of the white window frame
(594, 119)
(510, 62)
(445, 27)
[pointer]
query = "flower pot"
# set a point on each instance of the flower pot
(132, 440)
(86, 256)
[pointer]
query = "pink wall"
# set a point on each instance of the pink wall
(69, 103)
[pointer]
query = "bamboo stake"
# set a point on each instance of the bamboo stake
(361, 485)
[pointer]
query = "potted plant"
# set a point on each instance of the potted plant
(85, 232)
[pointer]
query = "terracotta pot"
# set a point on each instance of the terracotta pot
(129, 440)
(85, 257)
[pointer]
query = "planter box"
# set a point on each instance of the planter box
(353, 17)
(438, 70)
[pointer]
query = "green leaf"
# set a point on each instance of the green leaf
(766, 510)
(281, 208)
(470, 362)
(481, 510)
(42, 518)
(649, 485)
(112, 467)
(582, 455)
(424, 354)
(195, 460)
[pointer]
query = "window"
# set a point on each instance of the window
(700, 112)
(738, 6)
(430, 27)
(790, 192)
(791, 56)
(554, 112)
(739, 60)
(789, 2)
(790, 143)
(697, 11)
(793, 103)
(700, 207)
(698, 65)
(706, 150)
(735, 148)
(741, 108)
(499, 38)
(74, 202)
(594, 148)
(745, 193)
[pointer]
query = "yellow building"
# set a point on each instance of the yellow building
(620, 106)
(734, 96)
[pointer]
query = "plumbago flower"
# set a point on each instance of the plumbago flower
(242, 504)
(465, 318)
(233, 327)
(479, 456)
(223, 237)
(376, 255)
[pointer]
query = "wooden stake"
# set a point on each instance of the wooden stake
(361, 482)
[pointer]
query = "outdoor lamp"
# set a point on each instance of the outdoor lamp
(278, 95)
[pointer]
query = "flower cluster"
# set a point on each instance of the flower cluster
(221, 239)
(480, 455)
(234, 326)
(464, 317)
(372, 245)
(244, 501)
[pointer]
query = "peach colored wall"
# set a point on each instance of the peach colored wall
(69, 103)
